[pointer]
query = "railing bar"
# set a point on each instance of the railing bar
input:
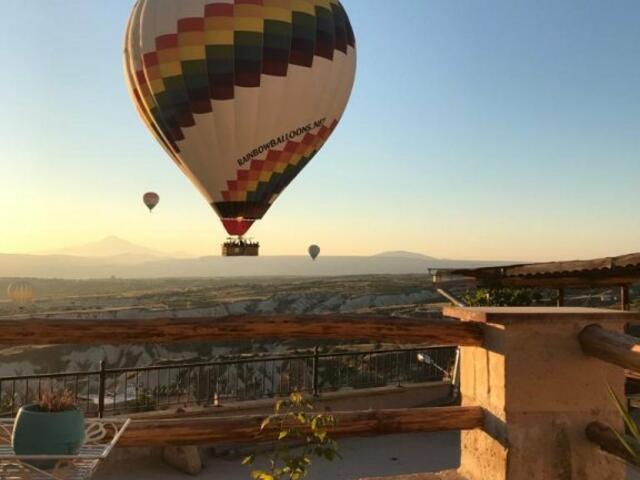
(45, 376)
(168, 390)
(112, 394)
(188, 392)
(86, 401)
(368, 367)
(374, 369)
(204, 364)
(244, 380)
(259, 359)
(137, 399)
(157, 388)
(209, 394)
(199, 387)
(294, 373)
(273, 378)
(13, 398)
(109, 394)
(236, 383)
(220, 362)
(410, 363)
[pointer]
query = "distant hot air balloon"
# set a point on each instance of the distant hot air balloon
(240, 94)
(20, 292)
(151, 199)
(314, 251)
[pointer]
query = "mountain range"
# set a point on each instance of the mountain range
(115, 257)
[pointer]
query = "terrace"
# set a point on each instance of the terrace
(533, 384)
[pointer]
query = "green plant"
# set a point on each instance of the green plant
(57, 401)
(294, 420)
(502, 297)
(631, 427)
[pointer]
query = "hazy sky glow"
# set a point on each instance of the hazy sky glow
(488, 130)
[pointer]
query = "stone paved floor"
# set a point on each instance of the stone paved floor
(391, 455)
(363, 457)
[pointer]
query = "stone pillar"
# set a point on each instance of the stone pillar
(539, 392)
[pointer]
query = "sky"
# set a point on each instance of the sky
(494, 130)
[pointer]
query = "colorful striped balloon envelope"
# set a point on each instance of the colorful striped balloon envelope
(241, 94)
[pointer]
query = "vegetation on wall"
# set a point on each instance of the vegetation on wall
(502, 297)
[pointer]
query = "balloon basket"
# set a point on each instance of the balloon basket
(240, 248)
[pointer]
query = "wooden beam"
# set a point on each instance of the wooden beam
(610, 346)
(242, 429)
(602, 436)
(175, 330)
(539, 315)
(451, 297)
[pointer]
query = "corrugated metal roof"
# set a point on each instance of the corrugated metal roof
(622, 269)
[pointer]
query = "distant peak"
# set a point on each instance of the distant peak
(403, 254)
(111, 238)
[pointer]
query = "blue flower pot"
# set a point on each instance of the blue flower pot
(38, 432)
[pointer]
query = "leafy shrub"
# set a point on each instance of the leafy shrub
(632, 428)
(295, 421)
(502, 297)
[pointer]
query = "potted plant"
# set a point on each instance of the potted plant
(53, 426)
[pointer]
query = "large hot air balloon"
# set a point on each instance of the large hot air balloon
(314, 251)
(241, 94)
(20, 292)
(151, 199)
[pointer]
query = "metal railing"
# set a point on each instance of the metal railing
(124, 390)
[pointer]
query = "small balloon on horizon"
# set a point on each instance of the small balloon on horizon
(21, 292)
(314, 251)
(151, 200)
